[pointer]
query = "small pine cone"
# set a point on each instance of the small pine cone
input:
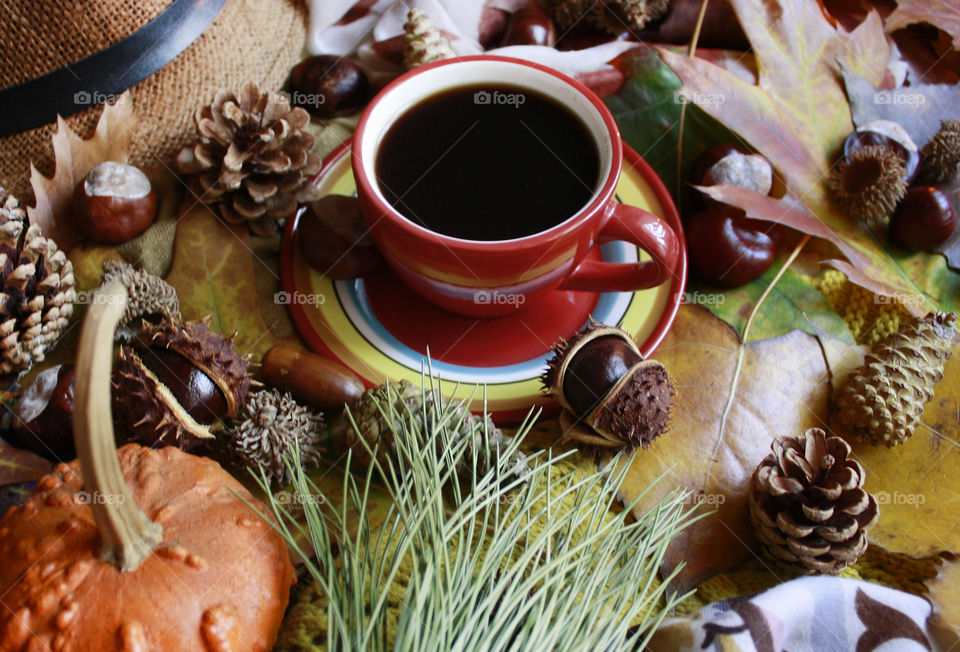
(940, 158)
(423, 42)
(274, 423)
(808, 506)
(385, 409)
(611, 16)
(253, 158)
(869, 183)
(883, 399)
(149, 295)
(37, 294)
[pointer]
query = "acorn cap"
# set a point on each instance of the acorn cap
(869, 183)
(148, 294)
(941, 155)
(213, 354)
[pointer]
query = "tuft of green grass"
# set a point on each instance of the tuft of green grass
(487, 561)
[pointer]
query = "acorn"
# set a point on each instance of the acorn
(114, 203)
(177, 384)
(889, 134)
(869, 183)
(923, 220)
(611, 397)
(941, 156)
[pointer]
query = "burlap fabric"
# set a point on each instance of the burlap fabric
(258, 40)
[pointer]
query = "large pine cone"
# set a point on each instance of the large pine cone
(37, 297)
(883, 399)
(253, 158)
(808, 506)
(385, 409)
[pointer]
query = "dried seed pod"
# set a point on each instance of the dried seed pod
(869, 183)
(178, 383)
(603, 383)
(891, 135)
(422, 41)
(150, 296)
(941, 156)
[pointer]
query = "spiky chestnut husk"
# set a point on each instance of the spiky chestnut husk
(274, 423)
(869, 183)
(211, 353)
(611, 396)
(941, 155)
(178, 384)
(149, 295)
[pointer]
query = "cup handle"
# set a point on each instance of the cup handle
(638, 227)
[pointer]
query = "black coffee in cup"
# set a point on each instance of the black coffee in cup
(488, 162)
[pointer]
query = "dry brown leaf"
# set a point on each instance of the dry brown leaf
(18, 465)
(75, 157)
(944, 14)
(783, 389)
(945, 597)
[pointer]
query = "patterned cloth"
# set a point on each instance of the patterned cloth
(809, 614)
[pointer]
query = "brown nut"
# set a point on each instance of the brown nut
(114, 203)
(335, 240)
(43, 417)
(328, 86)
(311, 378)
(529, 25)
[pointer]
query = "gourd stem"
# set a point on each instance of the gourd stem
(127, 535)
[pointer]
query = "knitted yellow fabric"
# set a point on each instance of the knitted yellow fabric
(869, 317)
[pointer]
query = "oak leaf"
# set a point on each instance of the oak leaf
(74, 157)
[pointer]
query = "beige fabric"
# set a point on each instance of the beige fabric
(250, 40)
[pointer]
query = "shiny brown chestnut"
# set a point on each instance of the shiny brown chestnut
(732, 165)
(888, 134)
(114, 203)
(727, 248)
(43, 417)
(328, 86)
(612, 397)
(193, 389)
(529, 25)
(924, 220)
(334, 239)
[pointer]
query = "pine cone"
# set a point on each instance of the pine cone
(611, 16)
(405, 401)
(274, 423)
(808, 506)
(253, 157)
(37, 297)
(423, 42)
(149, 295)
(883, 399)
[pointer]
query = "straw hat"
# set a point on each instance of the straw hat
(68, 56)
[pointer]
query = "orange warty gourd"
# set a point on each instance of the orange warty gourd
(136, 549)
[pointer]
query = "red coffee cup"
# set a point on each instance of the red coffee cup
(489, 278)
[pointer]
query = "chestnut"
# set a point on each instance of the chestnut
(594, 370)
(924, 219)
(733, 165)
(529, 25)
(194, 390)
(43, 417)
(334, 239)
(328, 86)
(114, 203)
(887, 134)
(727, 248)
